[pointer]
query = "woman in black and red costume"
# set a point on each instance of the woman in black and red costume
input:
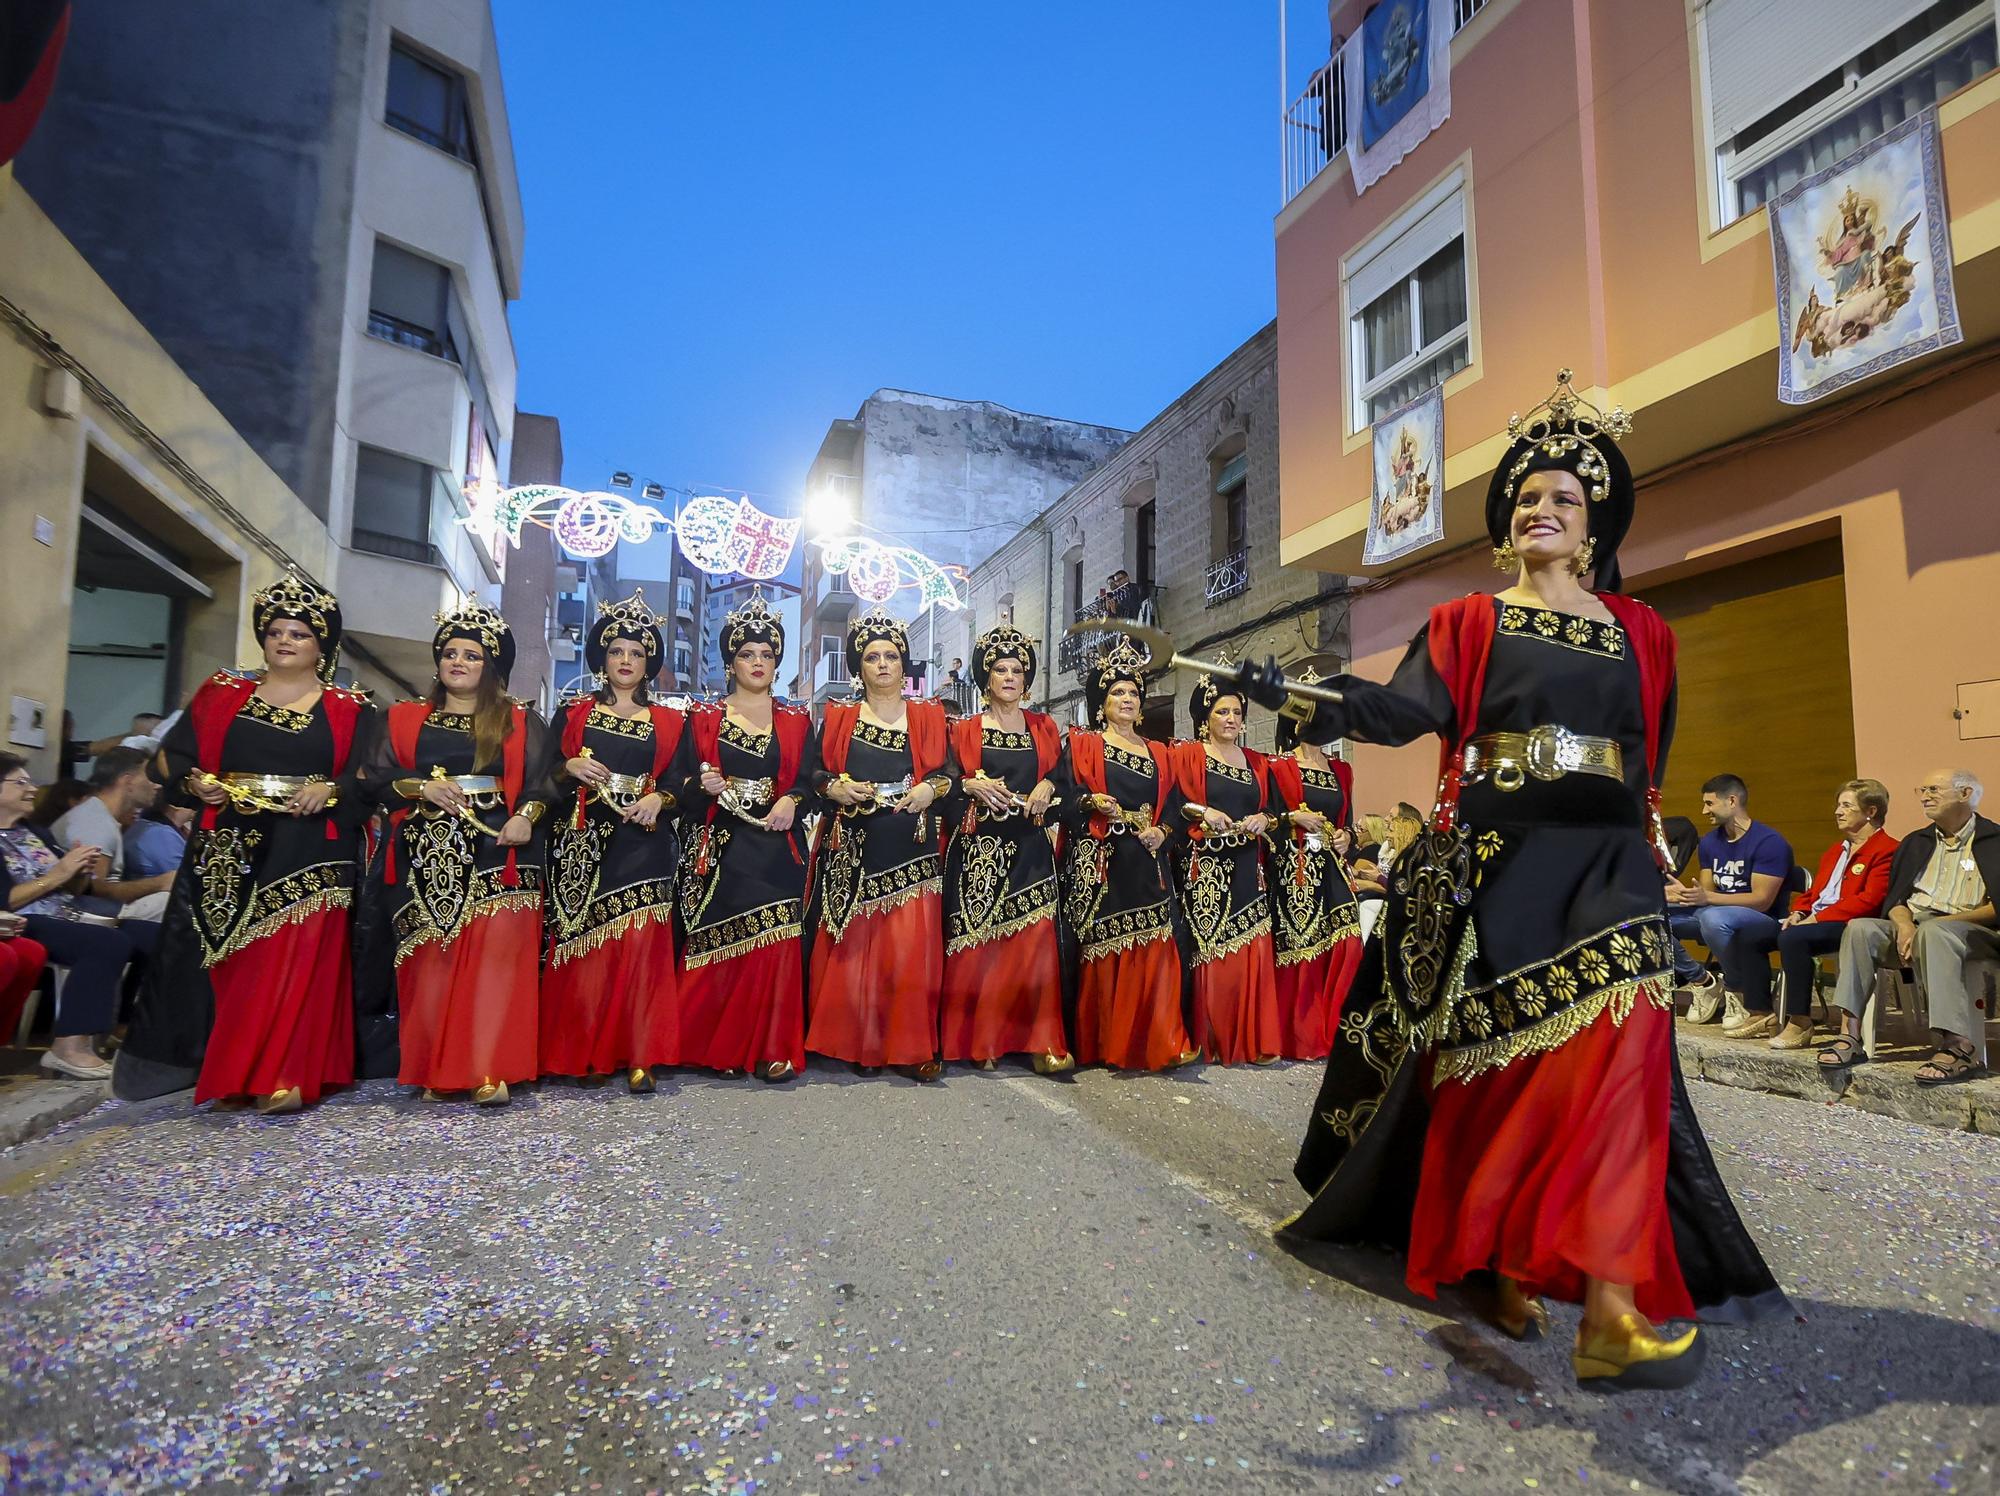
(1116, 897)
(1222, 879)
(877, 968)
(743, 874)
(452, 909)
(610, 1001)
(1002, 962)
(250, 993)
(1503, 1096)
(1315, 924)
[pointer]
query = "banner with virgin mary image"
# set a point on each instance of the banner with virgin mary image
(1862, 255)
(1407, 512)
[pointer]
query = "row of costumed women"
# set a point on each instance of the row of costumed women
(453, 892)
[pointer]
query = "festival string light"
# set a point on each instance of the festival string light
(719, 535)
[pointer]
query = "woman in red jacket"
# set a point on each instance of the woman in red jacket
(1852, 883)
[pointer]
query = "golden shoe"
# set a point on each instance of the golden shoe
(432, 1094)
(776, 1070)
(280, 1102)
(1054, 1064)
(1627, 1355)
(640, 1080)
(1187, 1057)
(1518, 1316)
(925, 1073)
(493, 1093)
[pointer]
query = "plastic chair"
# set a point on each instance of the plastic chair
(57, 975)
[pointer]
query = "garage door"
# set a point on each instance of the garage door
(1764, 690)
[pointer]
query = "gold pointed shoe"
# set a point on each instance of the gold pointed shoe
(1054, 1064)
(1626, 1356)
(776, 1071)
(639, 1081)
(926, 1073)
(1187, 1057)
(1519, 1316)
(280, 1102)
(493, 1093)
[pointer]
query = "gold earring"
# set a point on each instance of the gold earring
(1201, 733)
(1585, 554)
(1505, 558)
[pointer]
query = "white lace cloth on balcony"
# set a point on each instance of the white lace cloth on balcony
(1370, 165)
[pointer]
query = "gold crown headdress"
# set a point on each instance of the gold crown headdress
(631, 612)
(292, 596)
(876, 623)
(473, 618)
(754, 622)
(1564, 423)
(1004, 642)
(1122, 661)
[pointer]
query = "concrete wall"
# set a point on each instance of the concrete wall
(213, 196)
(234, 547)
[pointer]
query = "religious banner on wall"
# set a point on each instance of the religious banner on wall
(1396, 71)
(1407, 512)
(1862, 255)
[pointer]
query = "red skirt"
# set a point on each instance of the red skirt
(614, 1007)
(1309, 997)
(1128, 1008)
(745, 1011)
(468, 1005)
(1004, 997)
(1236, 1005)
(284, 1014)
(1554, 1169)
(875, 990)
(21, 963)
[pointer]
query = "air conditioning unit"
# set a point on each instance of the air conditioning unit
(563, 651)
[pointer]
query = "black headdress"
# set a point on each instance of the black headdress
(483, 625)
(753, 623)
(292, 596)
(1566, 433)
(869, 627)
(1300, 719)
(1120, 662)
(1003, 642)
(631, 620)
(1208, 690)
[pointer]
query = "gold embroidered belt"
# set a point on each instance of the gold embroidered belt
(623, 790)
(272, 792)
(887, 797)
(1509, 759)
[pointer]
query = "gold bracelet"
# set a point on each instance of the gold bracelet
(409, 789)
(532, 812)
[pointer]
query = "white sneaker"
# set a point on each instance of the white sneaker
(1734, 1014)
(1707, 999)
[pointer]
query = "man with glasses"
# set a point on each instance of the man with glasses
(1939, 920)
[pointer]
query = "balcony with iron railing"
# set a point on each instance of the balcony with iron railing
(1316, 123)
(1227, 578)
(1138, 601)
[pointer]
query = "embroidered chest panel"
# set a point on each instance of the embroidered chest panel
(603, 719)
(1564, 629)
(257, 709)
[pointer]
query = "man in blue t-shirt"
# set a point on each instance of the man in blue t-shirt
(1733, 907)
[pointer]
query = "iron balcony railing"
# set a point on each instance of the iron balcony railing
(1136, 600)
(395, 330)
(1229, 577)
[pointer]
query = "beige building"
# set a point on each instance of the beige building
(137, 522)
(1188, 510)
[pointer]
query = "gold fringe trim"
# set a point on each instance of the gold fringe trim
(1345, 927)
(1005, 929)
(1234, 944)
(1127, 942)
(611, 929)
(691, 961)
(893, 901)
(293, 914)
(1553, 1032)
(506, 903)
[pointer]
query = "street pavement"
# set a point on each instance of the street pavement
(1003, 1283)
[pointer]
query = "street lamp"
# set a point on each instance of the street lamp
(621, 480)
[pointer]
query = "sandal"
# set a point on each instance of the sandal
(1843, 1053)
(1949, 1066)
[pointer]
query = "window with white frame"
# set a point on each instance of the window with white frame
(1796, 85)
(1409, 306)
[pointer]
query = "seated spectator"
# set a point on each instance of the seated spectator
(42, 885)
(1939, 920)
(21, 962)
(156, 841)
(1852, 882)
(120, 789)
(1732, 908)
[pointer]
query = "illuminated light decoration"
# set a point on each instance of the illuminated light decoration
(720, 535)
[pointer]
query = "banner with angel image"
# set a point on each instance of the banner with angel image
(1862, 254)
(1407, 513)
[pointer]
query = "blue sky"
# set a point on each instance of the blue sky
(743, 217)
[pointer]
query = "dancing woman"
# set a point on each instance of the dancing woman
(1115, 892)
(743, 874)
(456, 891)
(878, 940)
(610, 1001)
(1221, 864)
(1503, 1095)
(1315, 924)
(250, 993)
(1002, 965)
